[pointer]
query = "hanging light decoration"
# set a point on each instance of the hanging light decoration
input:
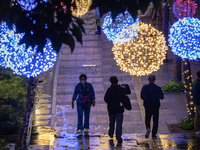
(184, 8)
(22, 61)
(29, 4)
(184, 38)
(11, 54)
(127, 34)
(82, 7)
(122, 21)
(143, 54)
(39, 62)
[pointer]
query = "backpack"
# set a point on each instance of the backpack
(127, 103)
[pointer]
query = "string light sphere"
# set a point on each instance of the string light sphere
(82, 7)
(143, 54)
(21, 61)
(184, 38)
(184, 8)
(122, 21)
(127, 34)
(40, 62)
(11, 54)
(28, 5)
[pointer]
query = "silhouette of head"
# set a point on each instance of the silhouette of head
(113, 80)
(83, 77)
(152, 78)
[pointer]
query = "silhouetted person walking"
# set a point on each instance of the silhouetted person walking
(86, 97)
(196, 101)
(114, 98)
(151, 94)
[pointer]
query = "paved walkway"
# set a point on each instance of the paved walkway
(54, 121)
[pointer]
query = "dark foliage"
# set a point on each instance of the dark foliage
(12, 101)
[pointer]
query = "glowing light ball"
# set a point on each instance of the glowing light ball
(143, 54)
(22, 61)
(29, 4)
(184, 8)
(184, 38)
(112, 29)
(39, 62)
(82, 7)
(127, 34)
(11, 53)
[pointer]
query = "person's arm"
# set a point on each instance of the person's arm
(75, 93)
(126, 89)
(143, 94)
(74, 96)
(92, 92)
(161, 95)
(106, 96)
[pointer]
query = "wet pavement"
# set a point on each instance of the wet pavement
(54, 121)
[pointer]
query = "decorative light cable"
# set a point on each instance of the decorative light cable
(29, 4)
(82, 7)
(143, 54)
(184, 8)
(22, 61)
(184, 38)
(112, 29)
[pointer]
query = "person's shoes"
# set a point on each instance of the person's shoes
(147, 133)
(111, 143)
(111, 136)
(119, 143)
(79, 131)
(86, 130)
(198, 133)
(154, 136)
(97, 32)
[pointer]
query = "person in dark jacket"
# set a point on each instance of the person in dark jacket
(114, 98)
(196, 101)
(151, 94)
(85, 93)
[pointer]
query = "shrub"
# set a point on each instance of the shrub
(173, 87)
(187, 124)
(12, 101)
(3, 144)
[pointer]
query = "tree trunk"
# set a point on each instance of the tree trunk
(165, 24)
(177, 69)
(188, 86)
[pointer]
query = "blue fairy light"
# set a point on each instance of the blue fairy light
(184, 38)
(11, 54)
(122, 21)
(28, 5)
(21, 60)
(40, 62)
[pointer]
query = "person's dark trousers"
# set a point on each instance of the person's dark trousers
(86, 109)
(98, 26)
(118, 118)
(149, 112)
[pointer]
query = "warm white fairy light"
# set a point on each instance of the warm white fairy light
(143, 54)
(82, 7)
